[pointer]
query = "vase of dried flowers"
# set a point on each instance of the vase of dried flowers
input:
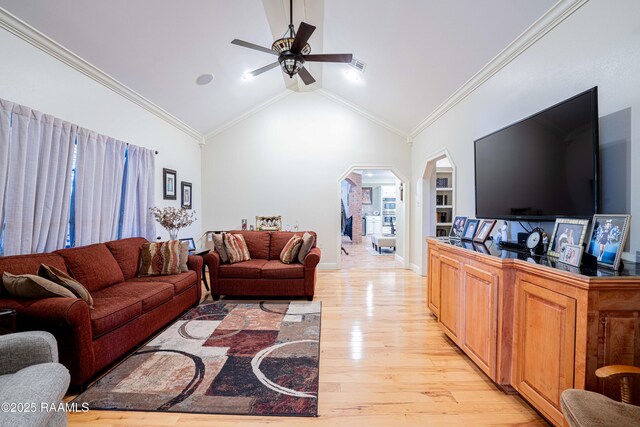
(173, 219)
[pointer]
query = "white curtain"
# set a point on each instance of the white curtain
(139, 194)
(38, 181)
(98, 190)
(5, 134)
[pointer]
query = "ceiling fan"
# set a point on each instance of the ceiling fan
(293, 51)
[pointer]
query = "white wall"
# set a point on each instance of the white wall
(288, 160)
(598, 45)
(32, 78)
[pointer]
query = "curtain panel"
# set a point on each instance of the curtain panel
(38, 181)
(139, 194)
(98, 188)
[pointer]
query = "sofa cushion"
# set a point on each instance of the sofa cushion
(275, 269)
(93, 266)
(29, 264)
(280, 238)
(218, 244)
(161, 258)
(308, 242)
(236, 248)
(152, 294)
(289, 253)
(63, 279)
(247, 269)
(257, 243)
(34, 287)
(110, 313)
(181, 282)
(127, 254)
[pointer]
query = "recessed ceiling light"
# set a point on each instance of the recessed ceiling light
(369, 174)
(204, 79)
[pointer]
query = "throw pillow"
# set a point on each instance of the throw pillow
(218, 243)
(236, 248)
(32, 286)
(290, 251)
(307, 243)
(63, 279)
(184, 256)
(160, 259)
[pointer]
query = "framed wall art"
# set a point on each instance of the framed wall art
(185, 189)
(367, 195)
(169, 179)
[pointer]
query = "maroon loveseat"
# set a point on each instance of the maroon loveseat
(264, 274)
(127, 309)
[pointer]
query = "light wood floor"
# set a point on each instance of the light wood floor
(384, 362)
(360, 257)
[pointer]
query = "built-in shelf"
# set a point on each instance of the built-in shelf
(444, 189)
(444, 207)
(444, 200)
(444, 224)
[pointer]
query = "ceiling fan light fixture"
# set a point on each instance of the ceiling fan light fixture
(283, 45)
(291, 64)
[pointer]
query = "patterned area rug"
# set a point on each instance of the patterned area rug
(223, 358)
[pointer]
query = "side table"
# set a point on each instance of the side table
(204, 276)
(8, 319)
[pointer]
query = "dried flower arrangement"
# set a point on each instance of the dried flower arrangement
(173, 219)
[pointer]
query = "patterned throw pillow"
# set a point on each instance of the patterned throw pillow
(218, 243)
(307, 244)
(290, 251)
(63, 279)
(184, 256)
(160, 259)
(236, 247)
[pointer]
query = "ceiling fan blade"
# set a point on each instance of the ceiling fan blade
(263, 69)
(302, 37)
(331, 57)
(253, 46)
(306, 76)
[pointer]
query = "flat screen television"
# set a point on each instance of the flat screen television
(542, 167)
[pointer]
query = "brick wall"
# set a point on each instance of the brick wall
(355, 205)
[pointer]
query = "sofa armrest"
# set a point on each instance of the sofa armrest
(22, 349)
(194, 262)
(69, 321)
(312, 259)
(212, 260)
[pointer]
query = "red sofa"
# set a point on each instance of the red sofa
(127, 309)
(264, 274)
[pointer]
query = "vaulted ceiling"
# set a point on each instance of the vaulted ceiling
(418, 52)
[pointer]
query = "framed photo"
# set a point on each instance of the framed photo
(269, 223)
(567, 232)
(571, 254)
(484, 229)
(367, 195)
(185, 189)
(470, 229)
(169, 191)
(458, 227)
(192, 244)
(244, 224)
(608, 236)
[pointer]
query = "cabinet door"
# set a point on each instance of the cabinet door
(449, 314)
(480, 317)
(433, 282)
(544, 343)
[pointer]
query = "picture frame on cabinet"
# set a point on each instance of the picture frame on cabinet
(269, 223)
(484, 230)
(470, 229)
(457, 227)
(169, 179)
(567, 232)
(608, 237)
(367, 195)
(571, 255)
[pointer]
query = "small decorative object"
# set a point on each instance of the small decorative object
(288, 227)
(173, 219)
(192, 243)
(185, 188)
(295, 229)
(251, 228)
(470, 229)
(567, 232)
(169, 188)
(269, 223)
(458, 227)
(367, 198)
(571, 254)
(376, 213)
(442, 216)
(504, 231)
(608, 236)
(244, 224)
(535, 242)
(484, 230)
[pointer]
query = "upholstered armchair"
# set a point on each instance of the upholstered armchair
(31, 380)
(583, 408)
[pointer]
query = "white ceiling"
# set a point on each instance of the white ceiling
(418, 52)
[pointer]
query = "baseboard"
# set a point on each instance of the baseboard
(328, 266)
(400, 259)
(415, 268)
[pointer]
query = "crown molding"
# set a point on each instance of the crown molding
(554, 16)
(26, 32)
(364, 113)
(247, 114)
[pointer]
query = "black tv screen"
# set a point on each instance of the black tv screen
(542, 167)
